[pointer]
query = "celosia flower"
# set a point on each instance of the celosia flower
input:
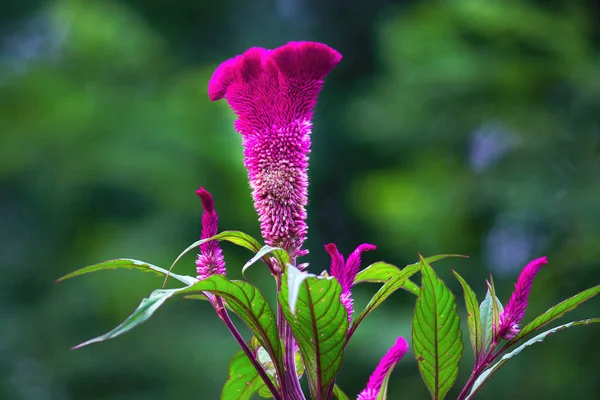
(387, 363)
(210, 260)
(345, 272)
(517, 304)
(273, 93)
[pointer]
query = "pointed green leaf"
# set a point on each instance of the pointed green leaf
(487, 374)
(378, 272)
(339, 394)
(140, 315)
(236, 237)
(381, 272)
(497, 308)
(241, 297)
(243, 379)
(319, 324)
(281, 255)
(127, 263)
(556, 312)
(473, 318)
(383, 293)
(437, 338)
(486, 313)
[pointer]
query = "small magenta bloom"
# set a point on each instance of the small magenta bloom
(387, 363)
(273, 93)
(210, 260)
(345, 272)
(517, 304)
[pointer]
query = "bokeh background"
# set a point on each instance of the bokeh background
(465, 126)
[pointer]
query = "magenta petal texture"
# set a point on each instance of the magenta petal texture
(517, 304)
(345, 272)
(210, 260)
(387, 363)
(273, 93)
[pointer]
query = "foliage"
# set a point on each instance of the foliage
(104, 124)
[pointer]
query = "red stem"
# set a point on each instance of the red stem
(290, 383)
(224, 315)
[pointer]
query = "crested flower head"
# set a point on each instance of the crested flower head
(345, 272)
(517, 304)
(387, 363)
(273, 93)
(210, 260)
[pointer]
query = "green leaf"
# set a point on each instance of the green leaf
(319, 325)
(381, 272)
(243, 379)
(339, 394)
(383, 293)
(556, 312)
(437, 338)
(487, 374)
(127, 263)
(378, 272)
(241, 297)
(239, 238)
(281, 255)
(497, 308)
(236, 237)
(140, 315)
(473, 318)
(486, 312)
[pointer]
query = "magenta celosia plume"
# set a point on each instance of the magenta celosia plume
(517, 304)
(345, 272)
(273, 93)
(210, 260)
(388, 362)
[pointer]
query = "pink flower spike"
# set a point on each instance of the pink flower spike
(387, 363)
(210, 260)
(273, 93)
(353, 262)
(337, 261)
(346, 272)
(517, 304)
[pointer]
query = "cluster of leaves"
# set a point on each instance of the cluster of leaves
(319, 323)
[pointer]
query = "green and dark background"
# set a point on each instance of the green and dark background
(465, 126)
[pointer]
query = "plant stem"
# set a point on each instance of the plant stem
(293, 388)
(224, 315)
(290, 383)
(477, 370)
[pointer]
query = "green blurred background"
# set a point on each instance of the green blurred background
(466, 126)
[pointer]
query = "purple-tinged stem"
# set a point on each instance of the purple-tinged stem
(293, 388)
(477, 370)
(290, 383)
(224, 315)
